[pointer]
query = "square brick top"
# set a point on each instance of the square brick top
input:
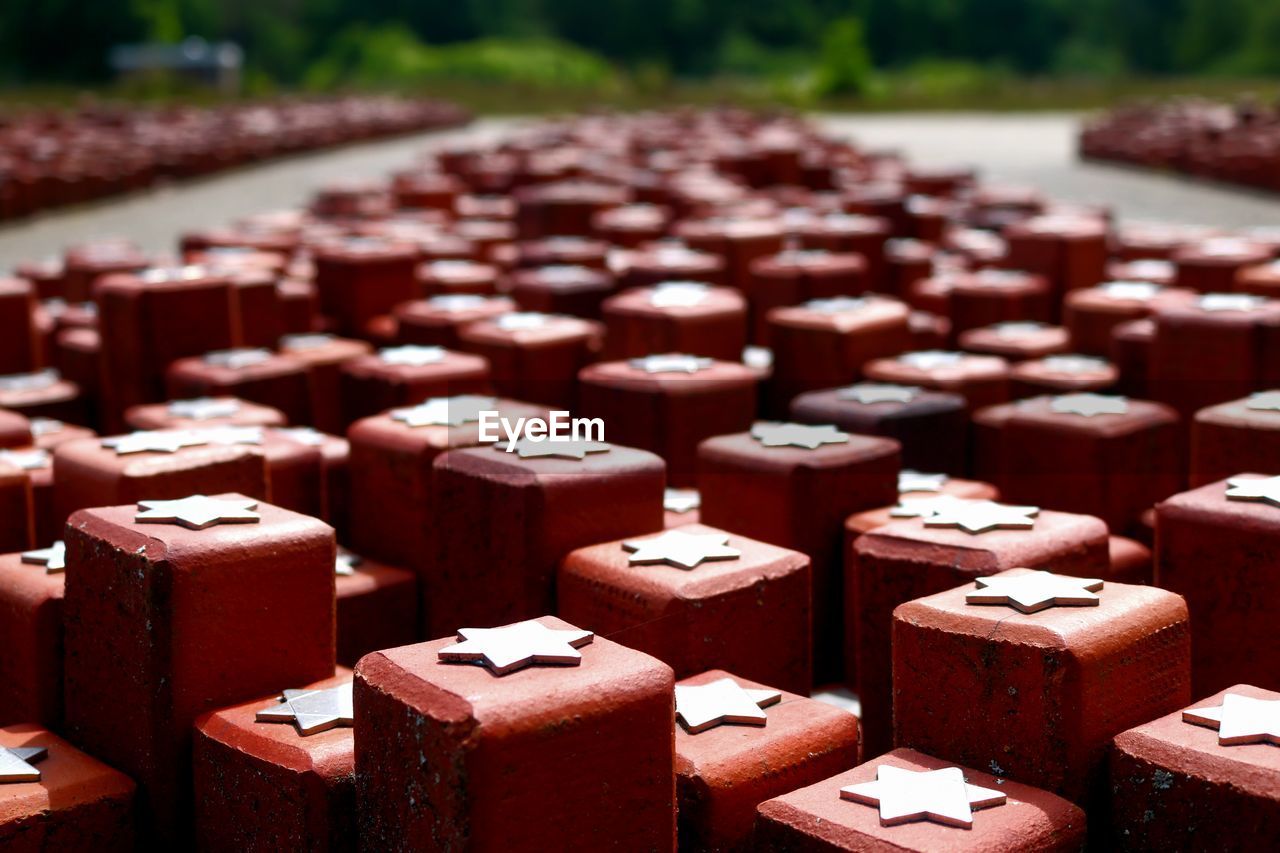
(1238, 415)
(279, 535)
(385, 431)
(1125, 611)
(219, 375)
(759, 561)
(1210, 503)
(1070, 538)
(1038, 413)
(528, 699)
(832, 406)
(798, 727)
(558, 330)
(1030, 819)
(493, 463)
(970, 368)
(743, 450)
(621, 375)
(89, 458)
(639, 302)
(68, 777)
(318, 350)
(1193, 750)
(875, 313)
(328, 753)
(453, 364)
(157, 416)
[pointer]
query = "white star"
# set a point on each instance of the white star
(36, 381)
(312, 711)
(412, 355)
(1074, 363)
(1261, 489)
(454, 302)
(518, 320)
(941, 796)
(678, 294)
(704, 706)
(931, 359)
(1262, 401)
(681, 500)
(1239, 719)
(311, 340)
(53, 558)
(155, 441)
(835, 305)
(1230, 302)
(346, 562)
(671, 363)
(1138, 291)
(204, 408)
(1089, 405)
(445, 411)
(759, 358)
(772, 434)
(27, 460)
(198, 512)
(303, 435)
(1036, 591)
(236, 359)
(516, 646)
(529, 449)
(16, 761)
(916, 481)
(45, 426)
(877, 392)
(680, 549)
(1017, 328)
(981, 516)
(924, 507)
(230, 434)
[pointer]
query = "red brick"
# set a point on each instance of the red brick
(715, 327)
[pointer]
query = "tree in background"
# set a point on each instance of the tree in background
(844, 65)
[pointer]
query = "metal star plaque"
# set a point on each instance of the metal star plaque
(155, 441)
(37, 381)
(680, 549)
(1070, 363)
(507, 649)
(27, 460)
(1239, 719)
(678, 294)
(45, 426)
(1018, 328)
(671, 363)
(1230, 302)
(1089, 405)
(198, 512)
(412, 355)
(704, 706)
(868, 393)
(53, 558)
(445, 411)
(346, 563)
(835, 305)
(1262, 401)
(916, 481)
(772, 434)
(455, 302)
(1259, 489)
(924, 507)
(312, 711)
(227, 435)
(204, 408)
(941, 796)
(303, 435)
(1036, 591)
(528, 449)
(16, 761)
(980, 516)
(1138, 291)
(681, 500)
(310, 340)
(520, 320)
(931, 359)
(237, 359)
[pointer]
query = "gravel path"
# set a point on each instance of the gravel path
(1036, 149)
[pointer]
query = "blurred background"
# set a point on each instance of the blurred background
(533, 55)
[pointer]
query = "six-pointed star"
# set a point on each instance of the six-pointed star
(312, 711)
(236, 359)
(27, 460)
(522, 320)
(204, 408)
(924, 507)
(704, 706)
(1239, 719)
(528, 449)
(1031, 593)
(309, 436)
(53, 558)
(981, 516)
(1070, 363)
(797, 435)
(29, 381)
(514, 647)
(412, 355)
(346, 562)
(1089, 405)
(942, 796)
(155, 441)
(231, 434)
(16, 761)
(835, 305)
(1258, 489)
(1140, 291)
(680, 549)
(1229, 302)
(671, 363)
(931, 359)
(1262, 401)
(198, 512)
(678, 294)
(681, 500)
(917, 481)
(1015, 328)
(445, 411)
(878, 392)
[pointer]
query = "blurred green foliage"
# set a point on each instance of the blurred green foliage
(870, 50)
